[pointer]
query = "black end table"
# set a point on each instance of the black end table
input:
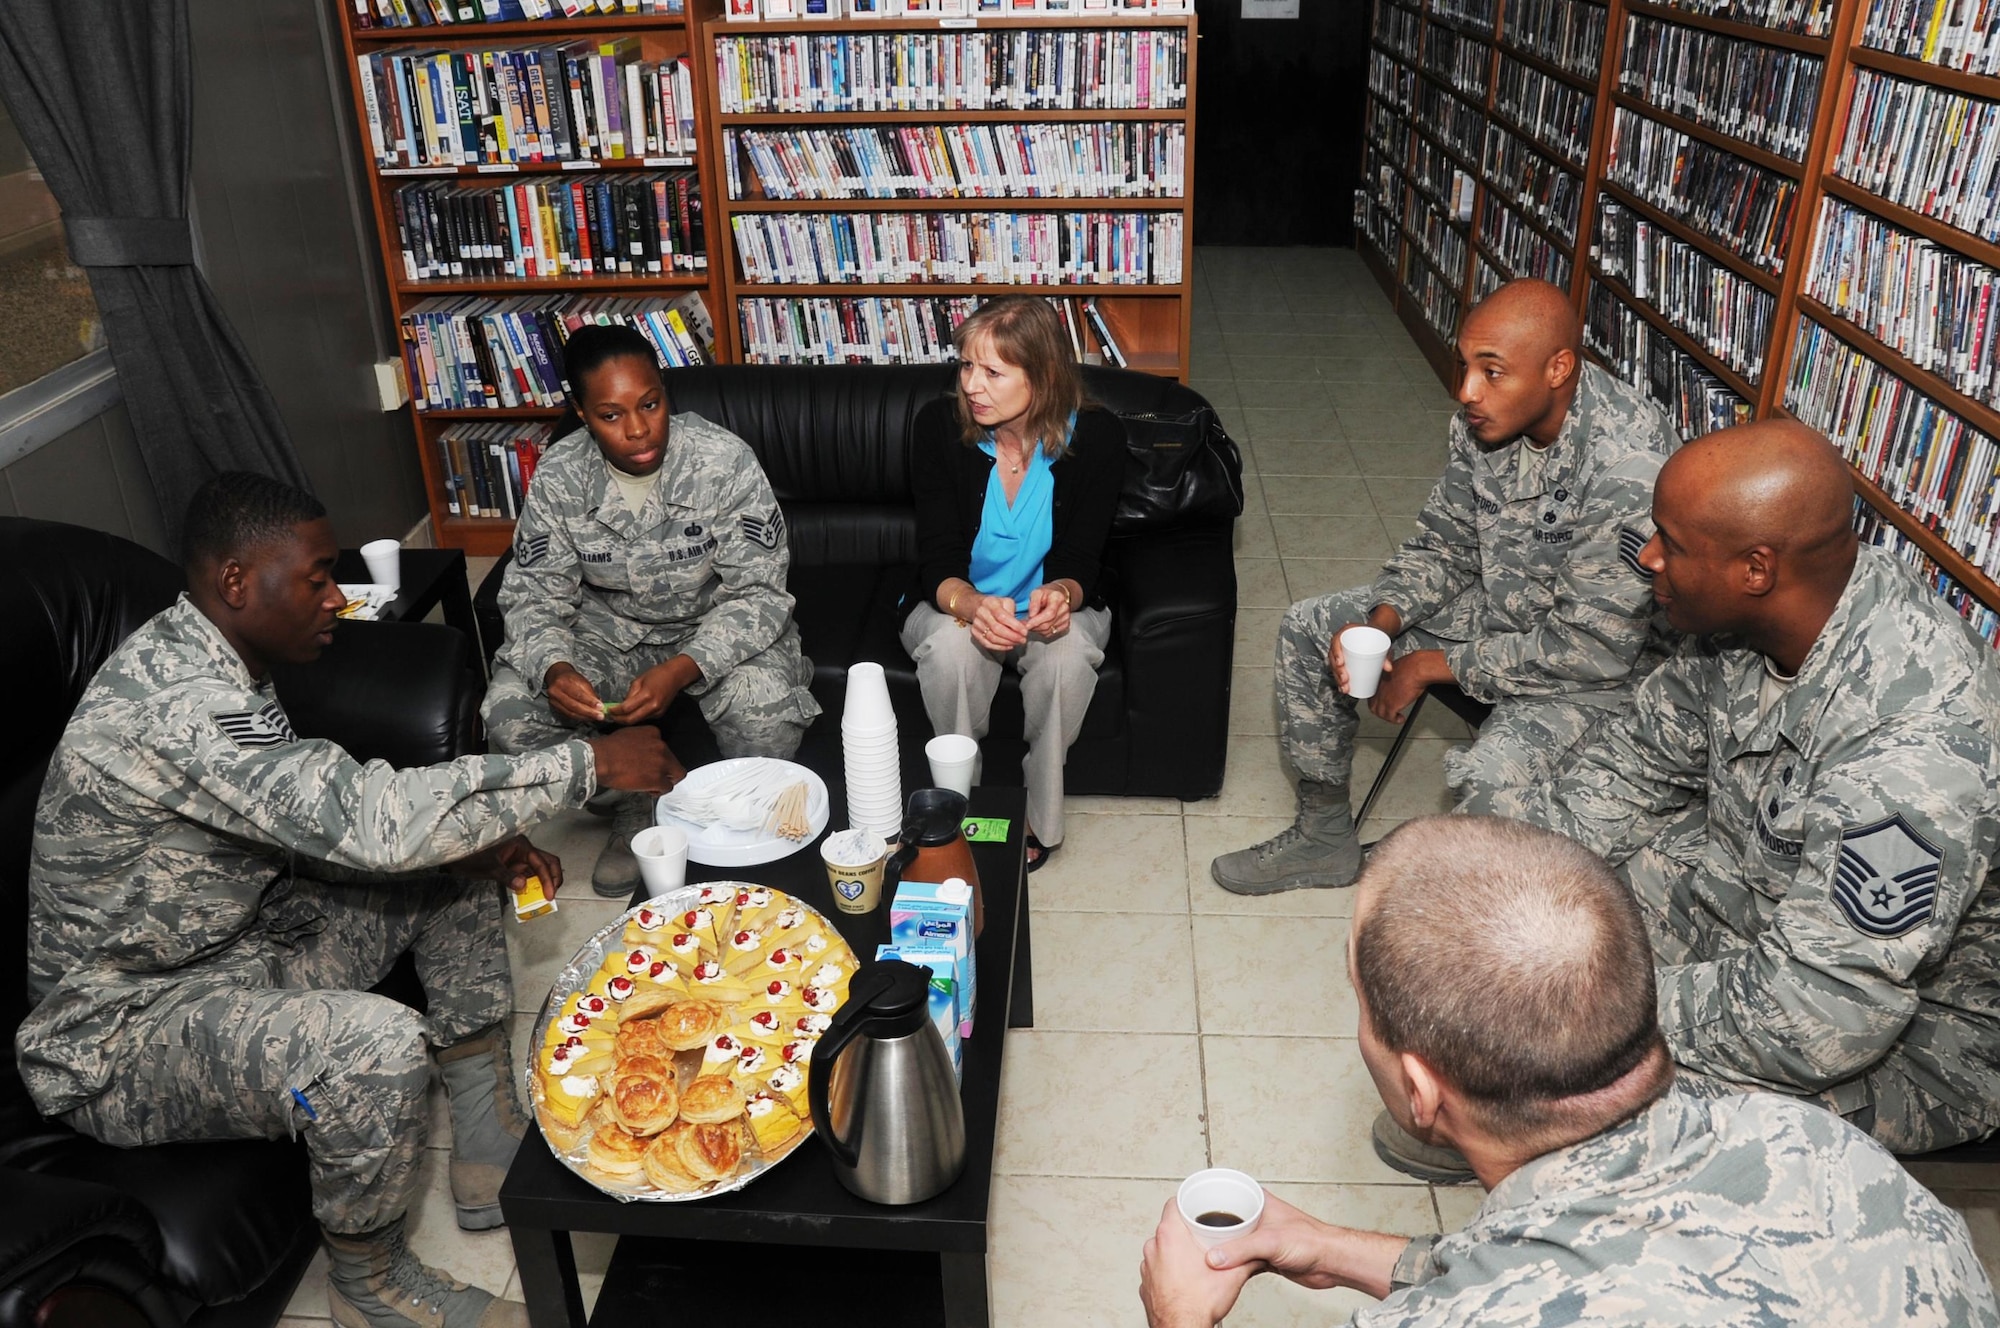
(431, 578)
(919, 1264)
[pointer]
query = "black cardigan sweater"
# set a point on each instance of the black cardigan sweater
(949, 477)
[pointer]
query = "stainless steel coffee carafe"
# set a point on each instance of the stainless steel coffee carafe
(882, 1092)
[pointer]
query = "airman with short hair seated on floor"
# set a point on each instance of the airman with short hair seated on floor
(1506, 1002)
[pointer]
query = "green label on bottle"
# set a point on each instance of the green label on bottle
(987, 829)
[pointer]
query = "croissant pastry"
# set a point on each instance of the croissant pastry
(642, 1095)
(663, 1167)
(690, 1024)
(711, 1099)
(641, 1038)
(615, 1152)
(710, 1151)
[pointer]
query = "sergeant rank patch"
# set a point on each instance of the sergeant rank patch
(1630, 542)
(256, 729)
(1887, 879)
(530, 550)
(764, 531)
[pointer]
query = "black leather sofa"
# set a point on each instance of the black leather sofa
(197, 1233)
(835, 442)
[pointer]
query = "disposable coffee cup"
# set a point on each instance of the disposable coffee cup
(385, 562)
(854, 862)
(1219, 1205)
(866, 711)
(1364, 649)
(953, 758)
(662, 851)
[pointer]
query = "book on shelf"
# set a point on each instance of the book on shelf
(1462, 62)
(1632, 348)
(1121, 159)
(1019, 69)
(1934, 465)
(1925, 301)
(1876, 529)
(1557, 114)
(1473, 15)
(444, 13)
(1763, 95)
(1430, 230)
(1456, 123)
(1435, 296)
(1524, 250)
(1925, 148)
(1567, 33)
(472, 353)
(1398, 29)
(1391, 83)
(783, 10)
(587, 101)
(1114, 354)
(1026, 248)
(1806, 18)
(1952, 34)
(550, 228)
(1747, 209)
(1532, 182)
(850, 329)
(1722, 312)
(486, 467)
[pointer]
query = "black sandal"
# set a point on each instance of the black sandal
(1045, 852)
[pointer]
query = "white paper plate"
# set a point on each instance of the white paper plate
(719, 847)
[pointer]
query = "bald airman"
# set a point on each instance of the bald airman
(1805, 800)
(1520, 584)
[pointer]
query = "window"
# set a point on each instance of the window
(47, 316)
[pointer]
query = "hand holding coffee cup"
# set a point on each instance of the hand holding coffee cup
(1362, 651)
(1220, 1205)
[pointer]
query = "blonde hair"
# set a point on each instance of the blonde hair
(1025, 332)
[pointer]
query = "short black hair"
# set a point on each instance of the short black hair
(237, 510)
(594, 344)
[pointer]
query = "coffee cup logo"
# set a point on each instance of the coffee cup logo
(849, 890)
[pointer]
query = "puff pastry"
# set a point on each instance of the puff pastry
(663, 1168)
(711, 1099)
(710, 1151)
(616, 1152)
(642, 1094)
(689, 1024)
(641, 1037)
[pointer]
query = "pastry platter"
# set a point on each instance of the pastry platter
(737, 813)
(670, 1058)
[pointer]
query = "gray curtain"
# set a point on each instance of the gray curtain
(101, 93)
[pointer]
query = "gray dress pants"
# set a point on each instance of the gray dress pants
(959, 677)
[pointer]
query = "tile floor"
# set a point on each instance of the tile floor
(1165, 1039)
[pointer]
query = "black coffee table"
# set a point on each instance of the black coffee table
(794, 1244)
(432, 578)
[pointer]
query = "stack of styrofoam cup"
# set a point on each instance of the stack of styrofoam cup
(868, 748)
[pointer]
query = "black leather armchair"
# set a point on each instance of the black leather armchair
(195, 1233)
(835, 442)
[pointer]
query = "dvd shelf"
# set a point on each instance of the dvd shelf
(1794, 210)
(529, 165)
(1567, 33)
(1929, 149)
(1954, 34)
(1463, 63)
(927, 168)
(1763, 95)
(1396, 29)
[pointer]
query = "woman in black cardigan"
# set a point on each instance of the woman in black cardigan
(1016, 478)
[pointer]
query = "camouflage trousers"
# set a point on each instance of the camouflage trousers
(220, 1058)
(1885, 1100)
(1520, 743)
(759, 708)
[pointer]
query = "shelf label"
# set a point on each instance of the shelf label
(958, 22)
(582, 165)
(668, 161)
(420, 170)
(497, 168)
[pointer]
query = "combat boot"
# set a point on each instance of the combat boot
(1319, 850)
(1400, 1149)
(374, 1281)
(486, 1124)
(617, 871)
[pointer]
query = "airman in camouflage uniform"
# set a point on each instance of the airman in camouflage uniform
(1521, 572)
(698, 571)
(1815, 856)
(207, 912)
(1506, 1006)
(1744, 1210)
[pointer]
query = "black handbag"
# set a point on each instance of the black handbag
(1179, 467)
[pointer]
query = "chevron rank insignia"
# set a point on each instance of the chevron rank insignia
(764, 531)
(1887, 878)
(530, 549)
(1630, 542)
(256, 729)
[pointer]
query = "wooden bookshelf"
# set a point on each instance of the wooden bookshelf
(1151, 322)
(660, 37)
(1843, 56)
